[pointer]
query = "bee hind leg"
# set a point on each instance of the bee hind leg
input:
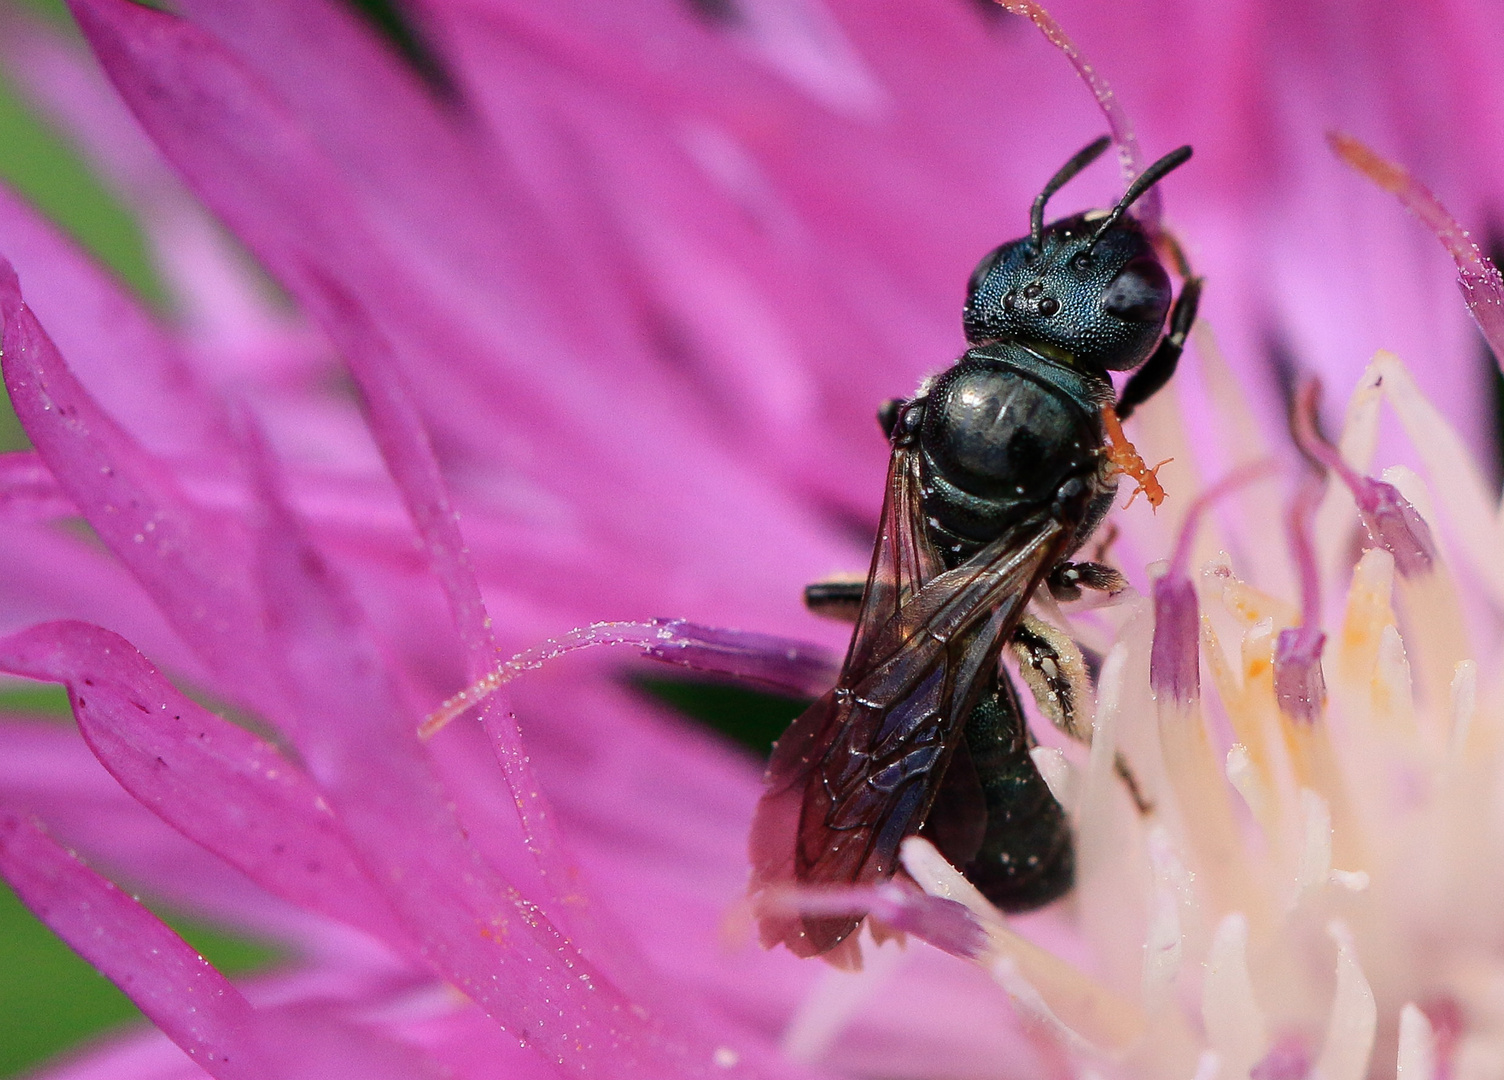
(835, 598)
(1060, 676)
(1055, 671)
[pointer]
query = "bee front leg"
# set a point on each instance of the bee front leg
(1151, 378)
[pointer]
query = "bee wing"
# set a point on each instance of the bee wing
(857, 772)
(903, 559)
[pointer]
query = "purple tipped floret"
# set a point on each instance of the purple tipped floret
(1478, 279)
(795, 667)
(1387, 516)
(1175, 657)
(1299, 685)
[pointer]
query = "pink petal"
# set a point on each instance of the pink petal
(48, 771)
(259, 169)
(420, 175)
(524, 391)
(188, 560)
(409, 456)
(97, 322)
(52, 573)
(217, 783)
(490, 942)
(175, 987)
(147, 1055)
(28, 491)
(214, 293)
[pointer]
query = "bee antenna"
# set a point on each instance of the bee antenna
(1084, 157)
(1146, 179)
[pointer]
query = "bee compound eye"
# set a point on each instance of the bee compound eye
(1140, 293)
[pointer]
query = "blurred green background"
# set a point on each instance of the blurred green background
(50, 1000)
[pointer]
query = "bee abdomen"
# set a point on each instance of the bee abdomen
(1026, 859)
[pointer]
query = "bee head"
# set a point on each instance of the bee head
(1090, 286)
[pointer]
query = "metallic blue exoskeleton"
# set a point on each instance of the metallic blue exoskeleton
(998, 475)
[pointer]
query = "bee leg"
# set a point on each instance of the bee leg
(1104, 542)
(1068, 579)
(835, 598)
(1054, 671)
(1026, 858)
(1151, 378)
(1059, 676)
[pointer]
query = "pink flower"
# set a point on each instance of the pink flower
(619, 289)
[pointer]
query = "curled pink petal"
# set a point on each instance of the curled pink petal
(187, 559)
(215, 782)
(182, 994)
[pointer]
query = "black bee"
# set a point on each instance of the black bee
(1000, 471)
